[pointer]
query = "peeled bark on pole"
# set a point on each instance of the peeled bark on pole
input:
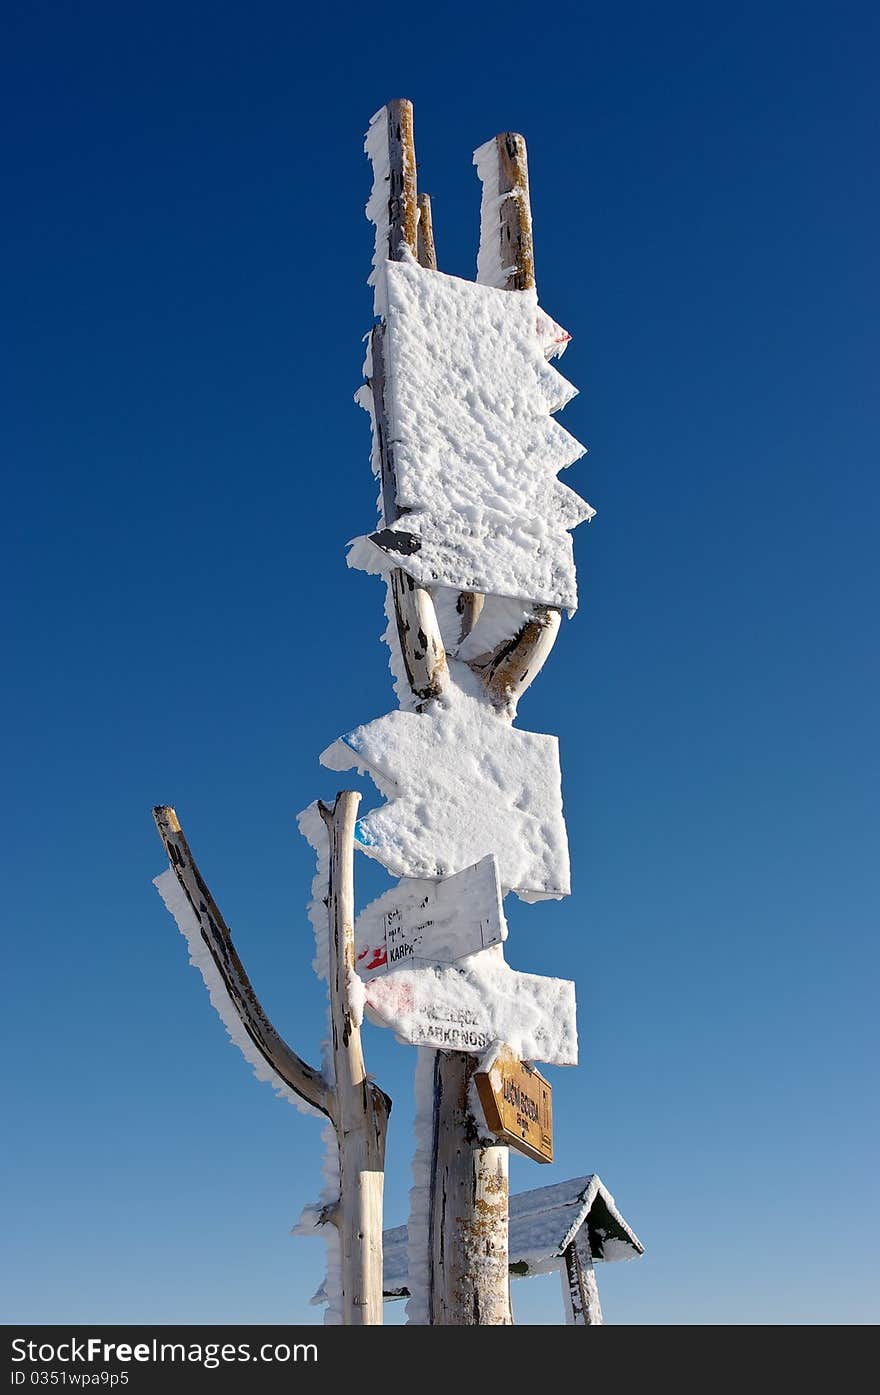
(468, 1208)
(361, 1109)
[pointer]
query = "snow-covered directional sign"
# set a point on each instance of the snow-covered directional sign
(421, 922)
(469, 396)
(471, 1005)
(461, 784)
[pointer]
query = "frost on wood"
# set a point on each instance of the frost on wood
(469, 397)
(178, 905)
(461, 784)
(419, 922)
(481, 1000)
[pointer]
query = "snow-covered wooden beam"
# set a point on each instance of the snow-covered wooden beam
(280, 1060)
(361, 1108)
(391, 144)
(507, 259)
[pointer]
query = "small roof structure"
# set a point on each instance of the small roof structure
(543, 1223)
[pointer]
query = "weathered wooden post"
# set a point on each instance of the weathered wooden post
(360, 1112)
(580, 1291)
(357, 1108)
(469, 1183)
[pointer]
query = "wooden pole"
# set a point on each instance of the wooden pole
(515, 664)
(580, 1291)
(468, 1208)
(421, 643)
(361, 1112)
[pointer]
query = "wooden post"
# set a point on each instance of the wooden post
(421, 643)
(468, 1208)
(515, 664)
(361, 1112)
(580, 1292)
(470, 1283)
(425, 249)
(357, 1108)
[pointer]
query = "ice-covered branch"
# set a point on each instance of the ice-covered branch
(215, 955)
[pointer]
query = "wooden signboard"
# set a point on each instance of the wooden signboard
(518, 1104)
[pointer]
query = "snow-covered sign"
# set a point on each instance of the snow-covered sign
(471, 1005)
(420, 922)
(469, 397)
(461, 784)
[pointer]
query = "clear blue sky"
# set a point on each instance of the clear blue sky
(184, 259)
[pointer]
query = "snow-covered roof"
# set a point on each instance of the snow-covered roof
(542, 1223)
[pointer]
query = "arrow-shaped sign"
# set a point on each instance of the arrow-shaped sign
(426, 922)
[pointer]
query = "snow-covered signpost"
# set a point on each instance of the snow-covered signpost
(475, 548)
(474, 544)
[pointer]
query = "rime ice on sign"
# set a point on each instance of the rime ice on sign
(419, 922)
(469, 396)
(461, 784)
(468, 1006)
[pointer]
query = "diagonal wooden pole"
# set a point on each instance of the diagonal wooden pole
(303, 1079)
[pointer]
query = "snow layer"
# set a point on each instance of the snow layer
(472, 1004)
(419, 922)
(491, 268)
(461, 783)
(177, 902)
(469, 396)
(376, 147)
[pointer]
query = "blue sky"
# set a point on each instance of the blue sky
(184, 259)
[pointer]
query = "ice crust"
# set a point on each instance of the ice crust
(461, 783)
(481, 1000)
(469, 396)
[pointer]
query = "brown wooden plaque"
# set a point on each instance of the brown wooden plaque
(518, 1104)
